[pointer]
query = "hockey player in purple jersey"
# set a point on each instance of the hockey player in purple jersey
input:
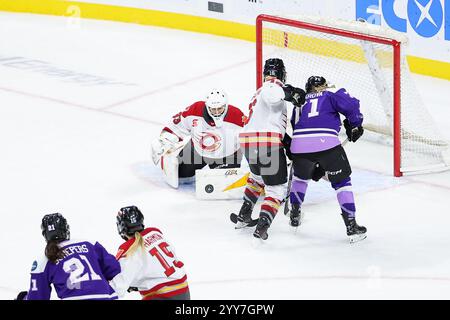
(316, 147)
(78, 270)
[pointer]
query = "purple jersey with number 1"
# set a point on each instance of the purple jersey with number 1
(82, 274)
(317, 126)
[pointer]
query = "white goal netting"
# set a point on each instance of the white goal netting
(366, 70)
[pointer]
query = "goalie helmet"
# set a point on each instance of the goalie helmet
(129, 220)
(217, 105)
(314, 82)
(55, 228)
(274, 67)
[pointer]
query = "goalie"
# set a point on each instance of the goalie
(204, 134)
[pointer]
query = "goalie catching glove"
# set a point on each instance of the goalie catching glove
(164, 144)
(294, 95)
(353, 133)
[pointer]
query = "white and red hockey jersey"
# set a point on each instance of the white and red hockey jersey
(155, 271)
(267, 120)
(209, 140)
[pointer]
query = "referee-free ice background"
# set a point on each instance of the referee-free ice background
(80, 103)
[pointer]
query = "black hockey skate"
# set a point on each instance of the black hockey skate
(244, 219)
(261, 228)
(295, 216)
(355, 232)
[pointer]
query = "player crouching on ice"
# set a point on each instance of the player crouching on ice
(212, 126)
(315, 143)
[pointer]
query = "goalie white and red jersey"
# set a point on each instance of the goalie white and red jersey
(154, 270)
(267, 120)
(209, 140)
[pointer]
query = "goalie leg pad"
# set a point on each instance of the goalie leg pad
(212, 184)
(345, 196)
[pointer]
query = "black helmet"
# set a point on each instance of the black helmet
(313, 82)
(129, 220)
(275, 67)
(54, 227)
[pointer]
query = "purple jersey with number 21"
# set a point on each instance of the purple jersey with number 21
(317, 125)
(82, 274)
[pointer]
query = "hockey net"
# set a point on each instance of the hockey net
(370, 63)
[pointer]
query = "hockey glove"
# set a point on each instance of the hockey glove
(294, 95)
(166, 142)
(22, 295)
(353, 133)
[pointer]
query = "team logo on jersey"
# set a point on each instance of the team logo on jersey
(34, 265)
(209, 141)
(195, 122)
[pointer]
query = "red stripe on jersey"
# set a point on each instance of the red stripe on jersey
(126, 245)
(260, 139)
(260, 144)
(167, 295)
(162, 285)
(260, 135)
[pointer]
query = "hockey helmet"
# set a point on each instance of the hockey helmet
(54, 227)
(217, 105)
(314, 82)
(129, 220)
(275, 67)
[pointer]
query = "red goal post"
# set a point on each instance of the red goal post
(288, 38)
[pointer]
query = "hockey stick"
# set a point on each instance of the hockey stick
(291, 173)
(286, 199)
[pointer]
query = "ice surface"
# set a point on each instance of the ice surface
(80, 145)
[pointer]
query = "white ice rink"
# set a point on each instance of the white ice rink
(80, 102)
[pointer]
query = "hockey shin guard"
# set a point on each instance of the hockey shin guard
(269, 208)
(298, 191)
(253, 190)
(345, 197)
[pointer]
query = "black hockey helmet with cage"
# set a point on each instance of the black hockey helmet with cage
(55, 228)
(129, 220)
(275, 67)
(313, 82)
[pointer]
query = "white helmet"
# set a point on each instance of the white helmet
(217, 105)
